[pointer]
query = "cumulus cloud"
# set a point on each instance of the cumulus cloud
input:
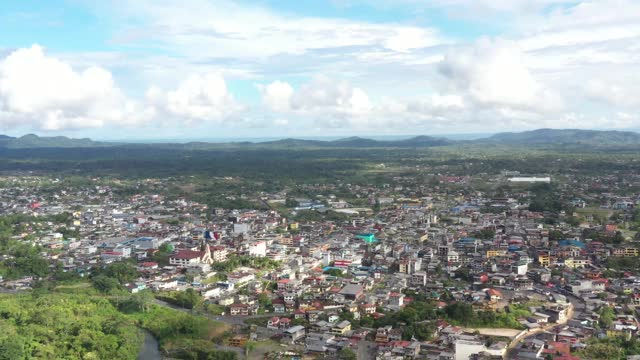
(202, 97)
(494, 73)
(329, 101)
(437, 104)
(46, 93)
(277, 95)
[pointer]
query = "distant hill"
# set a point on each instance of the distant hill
(542, 137)
(564, 137)
(359, 142)
(35, 141)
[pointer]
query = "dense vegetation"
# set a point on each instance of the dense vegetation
(288, 162)
(234, 262)
(610, 348)
(62, 326)
(417, 320)
(76, 323)
(623, 263)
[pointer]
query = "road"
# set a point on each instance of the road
(575, 309)
(366, 350)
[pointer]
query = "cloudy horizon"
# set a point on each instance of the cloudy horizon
(150, 69)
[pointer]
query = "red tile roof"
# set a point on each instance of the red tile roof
(188, 254)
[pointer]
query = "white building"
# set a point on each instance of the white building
(530, 179)
(258, 249)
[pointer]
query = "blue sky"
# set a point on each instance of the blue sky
(161, 69)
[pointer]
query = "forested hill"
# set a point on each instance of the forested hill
(359, 142)
(535, 138)
(35, 141)
(565, 136)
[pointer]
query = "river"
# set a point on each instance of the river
(149, 349)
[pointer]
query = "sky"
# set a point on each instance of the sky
(166, 69)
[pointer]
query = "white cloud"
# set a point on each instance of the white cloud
(228, 29)
(325, 94)
(586, 50)
(494, 73)
(48, 94)
(202, 97)
(41, 92)
(281, 122)
(327, 100)
(436, 105)
(277, 95)
(618, 94)
(493, 7)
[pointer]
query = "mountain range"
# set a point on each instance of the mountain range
(540, 137)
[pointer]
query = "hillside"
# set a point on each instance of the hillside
(565, 136)
(35, 141)
(359, 142)
(542, 137)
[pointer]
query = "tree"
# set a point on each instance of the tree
(607, 315)
(123, 272)
(189, 299)
(485, 234)
(347, 354)
(248, 348)
(143, 299)
(459, 312)
(165, 248)
(11, 348)
(104, 283)
(464, 273)
(291, 203)
(334, 272)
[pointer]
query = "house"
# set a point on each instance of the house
(137, 287)
(494, 295)
(318, 342)
(285, 323)
(288, 285)
(238, 341)
(382, 334)
(368, 309)
(293, 334)
(341, 328)
(239, 310)
(242, 309)
(219, 253)
(419, 278)
(575, 263)
(279, 306)
(396, 299)
(556, 314)
(273, 323)
(405, 349)
(289, 299)
(523, 283)
(352, 291)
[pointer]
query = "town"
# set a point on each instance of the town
(456, 267)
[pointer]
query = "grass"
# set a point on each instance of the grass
(603, 213)
(81, 285)
(263, 347)
(261, 321)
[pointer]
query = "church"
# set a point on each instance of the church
(192, 257)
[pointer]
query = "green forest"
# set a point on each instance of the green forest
(77, 323)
